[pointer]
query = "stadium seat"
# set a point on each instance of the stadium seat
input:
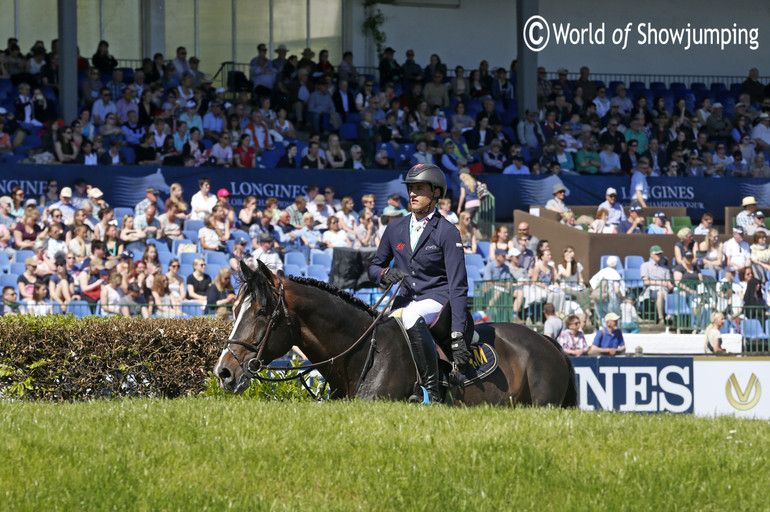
(657, 86)
(22, 254)
(676, 86)
(633, 262)
(121, 212)
(269, 159)
(707, 272)
(292, 270)
(235, 234)
(176, 243)
(698, 86)
(216, 258)
(471, 287)
(482, 247)
(189, 257)
(17, 268)
(318, 272)
(678, 307)
(10, 279)
(322, 259)
(128, 153)
(191, 234)
(5, 262)
(191, 308)
(678, 222)
(474, 271)
(718, 87)
(348, 131)
(296, 258)
(192, 224)
(603, 261)
(752, 329)
(185, 269)
(79, 308)
(474, 259)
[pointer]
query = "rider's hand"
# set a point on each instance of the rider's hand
(393, 276)
(460, 353)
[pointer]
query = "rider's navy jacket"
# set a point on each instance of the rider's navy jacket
(436, 268)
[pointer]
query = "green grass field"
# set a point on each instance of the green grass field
(199, 454)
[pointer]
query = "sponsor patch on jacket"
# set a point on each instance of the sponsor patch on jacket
(400, 247)
(431, 248)
(458, 244)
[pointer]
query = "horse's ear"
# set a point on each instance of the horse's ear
(261, 267)
(246, 270)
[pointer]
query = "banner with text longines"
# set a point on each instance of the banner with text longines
(125, 186)
(705, 386)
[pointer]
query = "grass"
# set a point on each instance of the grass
(197, 454)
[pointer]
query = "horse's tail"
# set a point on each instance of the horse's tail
(571, 395)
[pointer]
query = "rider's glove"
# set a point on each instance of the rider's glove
(460, 353)
(393, 276)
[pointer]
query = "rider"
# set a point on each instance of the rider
(429, 254)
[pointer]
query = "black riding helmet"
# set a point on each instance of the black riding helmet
(427, 173)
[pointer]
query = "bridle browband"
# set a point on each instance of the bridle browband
(251, 370)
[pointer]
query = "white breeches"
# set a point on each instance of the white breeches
(427, 309)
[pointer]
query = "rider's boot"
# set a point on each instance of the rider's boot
(426, 357)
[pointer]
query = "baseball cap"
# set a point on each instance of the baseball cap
(241, 241)
(389, 50)
(223, 192)
(659, 215)
(319, 199)
(558, 188)
(611, 192)
(265, 237)
(611, 317)
(501, 252)
(30, 201)
(66, 192)
(635, 208)
(133, 287)
(738, 229)
(127, 254)
(717, 105)
(514, 252)
(191, 104)
(655, 249)
(94, 193)
(153, 190)
(759, 214)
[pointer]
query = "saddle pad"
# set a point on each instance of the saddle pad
(482, 363)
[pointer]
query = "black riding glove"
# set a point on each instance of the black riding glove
(393, 276)
(460, 353)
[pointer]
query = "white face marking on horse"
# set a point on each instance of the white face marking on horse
(241, 313)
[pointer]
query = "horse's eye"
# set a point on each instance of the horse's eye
(262, 313)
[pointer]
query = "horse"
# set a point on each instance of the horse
(361, 358)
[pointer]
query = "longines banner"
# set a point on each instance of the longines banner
(125, 186)
(703, 386)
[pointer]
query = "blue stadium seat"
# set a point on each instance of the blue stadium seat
(603, 261)
(752, 329)
(189, 257)
(636, 86)
(185, 269)
(292, 270)
(718, 87)
(235, 234)
(161, 245)
(698, 86)
(633, 262)
(735, 89)
(269, 158)
(676, 86)
(296, 258)
(193, 224)
(128, 153)
(121, 212)
(318, 272)
(348, 131)
(215, 258)
(191, 308)
(17, 268)
(708, 272)
(471, 287)
(474, 271)
(176, 243)
(320, 258)
(10, 279)
(208, 144)
(5, 262)
(474, 259)
(191, 234)
(79, 308)
(633, 278)
(482, 247)
(657, 86)
(22, 254)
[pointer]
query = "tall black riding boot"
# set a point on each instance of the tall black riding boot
(425, 355)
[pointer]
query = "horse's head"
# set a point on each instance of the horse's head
(261, 330)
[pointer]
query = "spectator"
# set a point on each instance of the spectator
(737, 251)
(130, 236)
(711, 250)
(110, 296)
(366, 232)
(220, 294)
(686, 243)
(629, 316)
(497, 268)
(587, 160)
(517, 166)
(754, 305)
(530, 135)
(687, 277)
(203, 201)
(166, 305)
(313, 159)
(660, 225)
(198, 282)
(556, 203)
(134, 304)
(266, 254)
(469, 200)
(26, 232)
(222, 152)
(706, 221)
(113, 156)
(467, 233)
(37, 305)
(743, 219)
(572, 339)
(760, 255)
(719, 127)
(608, 340)
(90, 283)
(758, 223)
(614, 209)
(321, 103)
(175, 282)
(553, 325)
(607, 285)
(390, 70)
(10, 306)
(148, 224)
(210, 238)
(714, 334)
(600, 223)
(101, 108)
(657, 280)
(639, 186)
(334, 236)
(310, 236)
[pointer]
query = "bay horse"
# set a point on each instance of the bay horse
(273, 313)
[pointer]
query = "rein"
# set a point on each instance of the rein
(252, 371)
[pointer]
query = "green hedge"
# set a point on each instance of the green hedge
(60, 357)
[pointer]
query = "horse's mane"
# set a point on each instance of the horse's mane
(261, 288)
(342, 294)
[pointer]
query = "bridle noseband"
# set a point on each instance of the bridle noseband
(247, 365)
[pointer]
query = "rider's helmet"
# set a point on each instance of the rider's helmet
(427, 173)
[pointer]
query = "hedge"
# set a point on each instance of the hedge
(63, 358)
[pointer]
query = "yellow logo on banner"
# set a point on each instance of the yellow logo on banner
(741, 401)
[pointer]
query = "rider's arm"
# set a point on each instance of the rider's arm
(384, 255)
(454, 260)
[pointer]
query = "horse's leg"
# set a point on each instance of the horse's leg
(392, 373)
(548, 373)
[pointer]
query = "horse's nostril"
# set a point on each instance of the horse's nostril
(224, 374)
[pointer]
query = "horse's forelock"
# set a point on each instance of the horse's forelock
(258, 288)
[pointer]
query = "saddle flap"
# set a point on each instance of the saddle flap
(483, 362)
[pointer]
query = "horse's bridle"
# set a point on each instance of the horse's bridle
(246, 365)
(251, 371)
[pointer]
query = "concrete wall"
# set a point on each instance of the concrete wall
(487, 29)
